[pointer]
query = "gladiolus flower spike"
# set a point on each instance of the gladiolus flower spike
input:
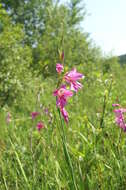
(63, 93)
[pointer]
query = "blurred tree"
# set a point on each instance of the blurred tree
(15, 60)
(76, 12)
(30, 13)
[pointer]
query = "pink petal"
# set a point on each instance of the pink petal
(65, 115)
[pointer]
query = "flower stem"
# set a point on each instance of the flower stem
(66, 153)
(105, 104)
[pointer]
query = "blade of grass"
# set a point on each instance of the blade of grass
(20, 164)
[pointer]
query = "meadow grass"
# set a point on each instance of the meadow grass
(83, 152)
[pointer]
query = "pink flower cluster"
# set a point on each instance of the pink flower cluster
(119, 114)
(62, 93)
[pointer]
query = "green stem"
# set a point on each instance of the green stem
(119, 140)
(103, 112)
(67, 155)
(105, 104)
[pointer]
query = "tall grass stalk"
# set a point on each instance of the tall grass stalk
(105, 104)
(4, 179)
(20, 164)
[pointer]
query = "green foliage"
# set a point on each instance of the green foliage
(76, 12)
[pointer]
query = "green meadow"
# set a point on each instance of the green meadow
(88, 153)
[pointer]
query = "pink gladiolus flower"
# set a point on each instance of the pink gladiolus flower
(62, 94)
(119, 113)
(40, 126)
(62, 91)
(64, 114)
(72, 78)
(59, 68)
(34, 114)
